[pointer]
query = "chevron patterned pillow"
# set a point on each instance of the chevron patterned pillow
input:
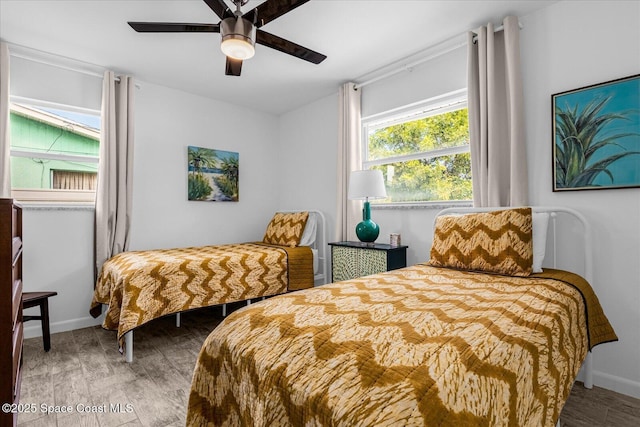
(496, 242)
(285, 229)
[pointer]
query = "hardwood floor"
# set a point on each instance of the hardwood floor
(84, 368)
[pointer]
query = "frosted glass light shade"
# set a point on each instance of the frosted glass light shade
(366, 184)
(237, 49)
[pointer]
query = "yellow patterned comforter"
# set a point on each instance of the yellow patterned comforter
(140, 286)
(416, 346)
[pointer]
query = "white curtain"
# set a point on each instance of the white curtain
(73, 180)
(115, 170)
(5, 141)
(349, 158)
(496, 116)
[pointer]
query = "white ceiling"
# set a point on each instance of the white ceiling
(358, 37)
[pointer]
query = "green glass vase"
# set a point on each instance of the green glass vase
(367, 230)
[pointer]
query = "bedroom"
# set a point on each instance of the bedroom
(564, 45)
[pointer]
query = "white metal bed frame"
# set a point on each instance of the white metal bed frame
(553, 211)
(320, 244)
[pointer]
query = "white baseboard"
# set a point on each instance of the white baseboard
(613, 383)
(34, 329)
(617, 384)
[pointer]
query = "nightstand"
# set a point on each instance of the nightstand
(355, 259)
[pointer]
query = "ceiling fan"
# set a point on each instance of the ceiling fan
(240, 31)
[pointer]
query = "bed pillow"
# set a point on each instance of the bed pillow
(310, 230)
(497, 242)
(539, 227)
(285, 229)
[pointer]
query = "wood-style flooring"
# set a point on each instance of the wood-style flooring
(84, 368)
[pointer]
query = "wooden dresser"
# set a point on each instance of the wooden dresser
(11, 332)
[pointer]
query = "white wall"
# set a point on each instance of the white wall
(58, 256)
(167, 121)
(443, 74)
(59, 242)
(308, 142)
(44, 82)
(567, 45)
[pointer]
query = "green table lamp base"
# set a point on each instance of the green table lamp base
(367, 231)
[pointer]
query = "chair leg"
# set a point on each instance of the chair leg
(44, 313)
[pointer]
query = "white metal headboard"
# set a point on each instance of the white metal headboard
(320, 244)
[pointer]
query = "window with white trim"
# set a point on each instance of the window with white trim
(422, 150)
(54, 152)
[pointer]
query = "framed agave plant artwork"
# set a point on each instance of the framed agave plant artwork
(212, 175)
(596, 136)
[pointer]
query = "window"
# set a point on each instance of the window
(54, 152)
(73, 180)
(422, 151)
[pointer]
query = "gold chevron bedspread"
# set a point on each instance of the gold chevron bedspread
(417, 346)
(140, 286)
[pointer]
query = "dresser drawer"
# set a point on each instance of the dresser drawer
(16, 248)
(16, 393)
(16, 272)
(16, 229)
(17, 350)
(16, 298)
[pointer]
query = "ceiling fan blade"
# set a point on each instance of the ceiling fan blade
(170, 27)
(220, 8)
(285, 46)
(270, 10)
(233, 67)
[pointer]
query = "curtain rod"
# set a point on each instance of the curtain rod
(410, 65)
(52, 63)
(498, 29)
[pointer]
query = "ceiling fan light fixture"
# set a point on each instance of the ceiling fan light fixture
(238, 38)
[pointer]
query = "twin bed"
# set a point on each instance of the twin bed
(479, 335)
(473, 337)
(140, 286)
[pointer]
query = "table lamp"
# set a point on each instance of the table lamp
(365, 185)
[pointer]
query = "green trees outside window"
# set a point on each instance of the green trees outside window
(425, 159)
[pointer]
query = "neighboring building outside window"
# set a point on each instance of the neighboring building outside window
(423, 152)
(54, 153)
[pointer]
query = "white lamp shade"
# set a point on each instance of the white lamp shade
(366, 184)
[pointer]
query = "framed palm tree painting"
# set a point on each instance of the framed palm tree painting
(596, 136)
(212, 175)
